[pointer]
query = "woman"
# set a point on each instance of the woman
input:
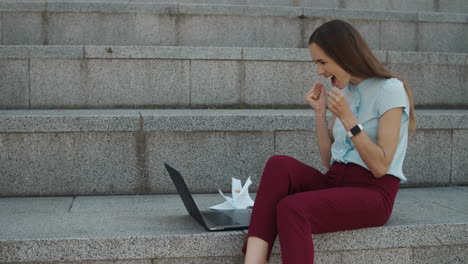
(363, 152)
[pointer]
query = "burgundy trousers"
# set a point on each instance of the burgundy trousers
(295, 201)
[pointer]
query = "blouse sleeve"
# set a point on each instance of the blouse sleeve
(393, 95)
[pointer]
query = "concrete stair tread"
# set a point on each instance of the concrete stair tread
(452, 6)
(104, 152)
(206, 53)
(193, 120)
(200, 77)
(219, 8)
(158, 226)
(143, 23)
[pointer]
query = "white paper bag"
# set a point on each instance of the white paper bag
(240, 197)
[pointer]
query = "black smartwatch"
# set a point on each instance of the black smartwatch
(355, 130)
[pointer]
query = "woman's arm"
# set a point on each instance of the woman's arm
(316, 99)
(378, 157)
(324, 139)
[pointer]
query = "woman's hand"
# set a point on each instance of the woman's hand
(316, 98)
(338, 104)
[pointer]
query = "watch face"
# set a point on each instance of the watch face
(355, 130)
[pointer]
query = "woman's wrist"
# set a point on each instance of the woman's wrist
(349, 121)
(320, 113)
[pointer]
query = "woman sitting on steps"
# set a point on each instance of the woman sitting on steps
(363, 151)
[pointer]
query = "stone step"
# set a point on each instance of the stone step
(162, 24)
(46, 77)
(428, 226)
(446, 6)
(106, 152)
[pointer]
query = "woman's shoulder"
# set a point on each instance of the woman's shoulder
(389, 86)
(388, 82)
(392, 93)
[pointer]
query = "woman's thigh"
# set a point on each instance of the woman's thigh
(338, 209)
(291, 175)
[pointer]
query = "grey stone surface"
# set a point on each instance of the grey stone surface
(70, 237)
(310, 24)
(289, 76)
(23, 6)
(422, 212)
(207, 161)
(278, 83)
(369, 29)
(49, 88)
(360, 14)
(276, 54)
(239, 31)
(442, 37)
(432, 168)
(301, 145)
(455, 198)
(455, 6)
(195, 120)
(154, 30)
(185, 53)
(227, 120)
(28, 205)
(139, 82)
(215, 83)
(110, 7)
(398, 35)
(40, 51)
(426, 58)
(21, 28)
(14, 84)
(386, 256)
(460, 157)
(206, 260)
(429, 89)
(120, 261)
(278, 11)
(21, 121)
(441, 119)
(109, 83)
(121, 228)
(156, 23)
(443, 17)
(68, 163)
(164, 205)
(391, 5)
(90, 28)
(457, 254)
(239, 140)
(392, 236)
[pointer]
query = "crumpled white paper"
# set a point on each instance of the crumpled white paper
(240, 197)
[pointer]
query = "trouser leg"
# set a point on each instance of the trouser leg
(322, 211)
(281, 177)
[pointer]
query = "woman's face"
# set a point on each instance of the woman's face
(330, 69)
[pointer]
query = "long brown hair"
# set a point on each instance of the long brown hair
(345, 45)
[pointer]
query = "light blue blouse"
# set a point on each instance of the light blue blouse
(369, 100)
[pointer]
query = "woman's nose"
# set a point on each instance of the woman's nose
(320, 71)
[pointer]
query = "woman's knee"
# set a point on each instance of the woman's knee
(279, 161)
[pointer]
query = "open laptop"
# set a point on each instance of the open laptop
(211, 220)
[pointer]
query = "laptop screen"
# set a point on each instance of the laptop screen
(185, 194)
